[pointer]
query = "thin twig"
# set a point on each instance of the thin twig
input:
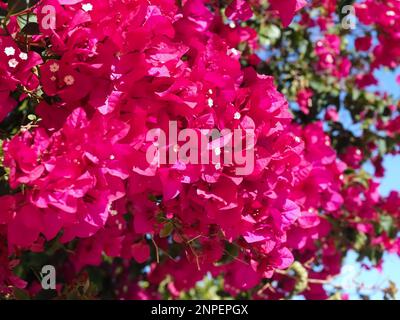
(157, 251)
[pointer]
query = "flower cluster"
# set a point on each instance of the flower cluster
(108, 72)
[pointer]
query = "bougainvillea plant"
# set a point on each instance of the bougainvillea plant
(84, 82)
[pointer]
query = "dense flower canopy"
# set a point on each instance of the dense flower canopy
(83, 82)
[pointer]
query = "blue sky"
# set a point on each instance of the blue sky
(391, 268)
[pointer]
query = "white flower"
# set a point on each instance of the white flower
(87, 7)
(12, 63)
(54, 67)
(23, 56)
(217, 151)
(237, 115)
(210, 102)
(233, 51)
(329, 59)
(69, 80)
(9, 51)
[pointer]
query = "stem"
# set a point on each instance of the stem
(157, 251)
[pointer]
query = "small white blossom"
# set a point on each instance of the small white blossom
(233, 51)
(13, 63)
(186, 179)
(23, 56)
(87, 7)
(329, 59)
(69, 80)
(54, 67)
(9, 51)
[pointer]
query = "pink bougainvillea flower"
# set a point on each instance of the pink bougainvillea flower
(239, 10)
(353, 157)
(109, 73)
(332, 114)
(6, 105)
(304, 100)
(363, 43)
(287, 9)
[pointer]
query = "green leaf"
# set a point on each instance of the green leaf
(166, 230)
(3, 13)
(301, 277)
(231, 252)
(382, 147)
(17, 6)
(21, 294)
(32, 117)
(360, 241)
(24, 19)
(272, 31)
(386, 223)
(31, 28)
